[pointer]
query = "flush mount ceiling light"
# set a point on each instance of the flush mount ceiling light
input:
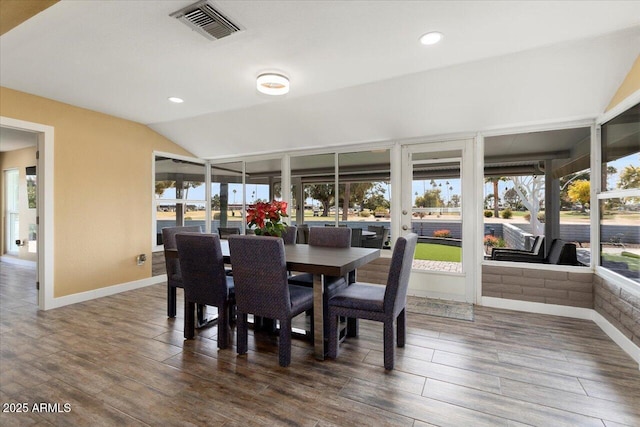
(431, 38)
(272, 84)
(176, 99)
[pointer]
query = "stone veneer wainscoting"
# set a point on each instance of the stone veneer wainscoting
(543, 286)
(619, 306)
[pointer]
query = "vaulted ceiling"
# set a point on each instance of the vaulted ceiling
(357, 70)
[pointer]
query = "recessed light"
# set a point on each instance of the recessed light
(431, 38)
(176, 100)
(272, 84)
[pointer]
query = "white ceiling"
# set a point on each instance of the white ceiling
(14, 139)
(358, 73)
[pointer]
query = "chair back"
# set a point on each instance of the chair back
(202, 266)
(356, 237)
(333, 237)
(538, 244)
(225, 232)
(169, 240)
(260, 275)
(562, 253)
(303, 234)
(290, 235)
(395, 296)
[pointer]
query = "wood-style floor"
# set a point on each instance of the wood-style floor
(119, 361)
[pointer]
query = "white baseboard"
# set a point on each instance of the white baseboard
(566, 311)
(618, 337)
(109, 290)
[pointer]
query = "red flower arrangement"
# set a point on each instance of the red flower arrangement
(267, 218)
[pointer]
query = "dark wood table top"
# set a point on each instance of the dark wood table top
(315, 259)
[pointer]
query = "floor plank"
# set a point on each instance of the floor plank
(117, 361)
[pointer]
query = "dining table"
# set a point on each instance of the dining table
(321, 262)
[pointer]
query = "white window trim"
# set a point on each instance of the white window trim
(596, 166)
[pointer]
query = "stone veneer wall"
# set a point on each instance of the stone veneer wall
(619, 306)
(544, 286)
(375, 272)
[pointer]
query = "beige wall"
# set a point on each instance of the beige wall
(18, 159)
(103, 191)
(630, 84)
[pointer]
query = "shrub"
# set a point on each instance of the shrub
(527, 216)
(442, 233)
(488, 214)
(507, 214)
(365, 213)
(494, 242)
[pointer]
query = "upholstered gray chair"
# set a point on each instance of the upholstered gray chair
(375, 302)
(174, 278)
(225, 232)
(356, 237)
(290, 235)
(262, 289)
(332, 237)
(205, 282)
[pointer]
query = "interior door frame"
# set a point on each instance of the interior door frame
(45, 207)
(464, 284)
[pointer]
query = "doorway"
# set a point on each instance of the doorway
(437, 204)
(35, 236)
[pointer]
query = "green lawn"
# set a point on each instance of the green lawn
(632, 262)
(429, 251)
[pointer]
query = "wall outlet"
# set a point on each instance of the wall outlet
(140, 259)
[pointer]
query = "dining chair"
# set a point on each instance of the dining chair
(205, 282)
(332, 237)
(385, 304)
(378, 240)
(225, 232)
(262, 289)
(356, 237)
(174, 277)
(290, 235)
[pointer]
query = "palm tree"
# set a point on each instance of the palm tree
(494, 180)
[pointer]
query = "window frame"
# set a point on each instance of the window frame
(597, 193)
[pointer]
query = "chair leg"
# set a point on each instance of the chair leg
(223, 326)
(389, 331)
(171, 301)
(189, 320)
(352, 326)
(284, 343)
(242, 335)
(333, 335)
(401, 326)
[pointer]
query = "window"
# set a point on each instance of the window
(226, 196)
(179, 193)
(619, 198)
(537, 186)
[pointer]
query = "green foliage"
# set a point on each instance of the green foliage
(494, 241)
(365, 213)
(488, 214)
(629, 177)
(507, 214)
(430, 199)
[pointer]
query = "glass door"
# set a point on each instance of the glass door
(436, 204)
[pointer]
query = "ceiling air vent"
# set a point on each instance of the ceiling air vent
(202, 17)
